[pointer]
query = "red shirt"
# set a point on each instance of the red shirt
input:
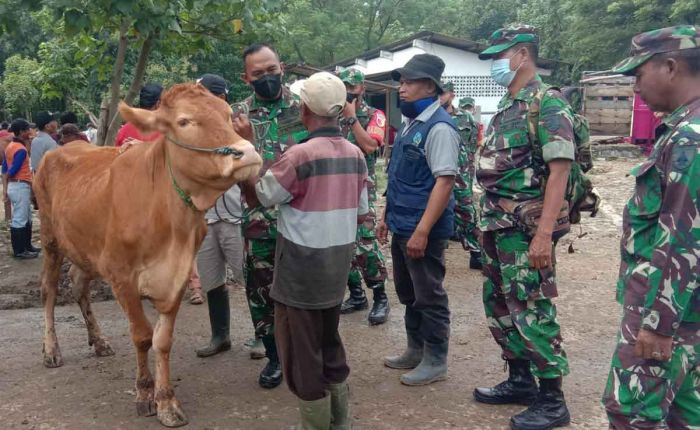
(129, 131)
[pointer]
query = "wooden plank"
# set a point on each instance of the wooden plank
(608, 104)
(610, 129)
(609, 90)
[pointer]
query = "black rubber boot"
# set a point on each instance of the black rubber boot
(380, 308)
(520, 388)
(271, 375)
(28, 239)
(475, 260)
(17, 237)
(356, 302)
(548, 411)
(219, 318)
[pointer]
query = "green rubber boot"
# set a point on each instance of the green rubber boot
(340, 406)
(220, 320)
(315, 414)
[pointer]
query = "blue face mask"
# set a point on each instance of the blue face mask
(501, 73)
(413, 109)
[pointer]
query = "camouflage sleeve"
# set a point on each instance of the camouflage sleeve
(675, 271)
(555, 128)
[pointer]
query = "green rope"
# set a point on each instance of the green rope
(180, 192)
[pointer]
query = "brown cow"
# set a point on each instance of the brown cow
(125, 217)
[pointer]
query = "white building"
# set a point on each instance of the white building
(470, 75)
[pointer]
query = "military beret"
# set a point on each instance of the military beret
(352, 76)
(646, 45)
(505, 38)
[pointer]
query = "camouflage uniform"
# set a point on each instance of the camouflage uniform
(277, 126)
(517, 298)
(466, 222)
(659, 266)
(368, 262)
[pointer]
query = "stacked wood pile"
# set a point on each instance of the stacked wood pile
(607, 103)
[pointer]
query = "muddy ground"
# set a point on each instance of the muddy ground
(222, 392)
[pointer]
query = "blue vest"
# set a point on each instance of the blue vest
(411, 181)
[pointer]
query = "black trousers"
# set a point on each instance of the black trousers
(419, 287)
(310, 349)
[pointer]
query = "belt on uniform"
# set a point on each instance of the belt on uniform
(20, 180)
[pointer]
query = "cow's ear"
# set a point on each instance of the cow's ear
(145, 120)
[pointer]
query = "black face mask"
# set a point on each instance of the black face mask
(350, 97)
(268, 86)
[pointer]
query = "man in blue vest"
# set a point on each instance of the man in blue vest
(420, 214)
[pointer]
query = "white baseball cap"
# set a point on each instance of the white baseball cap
(324, 93)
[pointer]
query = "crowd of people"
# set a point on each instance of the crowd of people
(307, 228)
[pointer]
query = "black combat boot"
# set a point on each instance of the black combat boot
(356, 302)
(271, 375)
(380, 308)
(219, 318)
(548, 411)
(475, 260)
(520, 388)
(28, 239)
(19, 244)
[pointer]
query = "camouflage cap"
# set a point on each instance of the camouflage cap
(448, 87)
(646, 45)
(505, 38)
(466, 101)
(352, 76)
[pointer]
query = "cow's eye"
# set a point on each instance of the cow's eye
(183, 122)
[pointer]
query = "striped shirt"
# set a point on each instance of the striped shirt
(321, 187)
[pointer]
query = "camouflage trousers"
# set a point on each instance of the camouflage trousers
(650, 394)
(258, 272)
(518, 306)
(368, 262)
(466, 221)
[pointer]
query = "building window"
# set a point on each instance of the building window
(475, 86)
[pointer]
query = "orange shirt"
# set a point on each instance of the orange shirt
(24, 174)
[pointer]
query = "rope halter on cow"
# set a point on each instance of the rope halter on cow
(222, 150)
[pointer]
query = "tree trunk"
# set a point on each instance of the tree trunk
(134, 88)
(117, 73)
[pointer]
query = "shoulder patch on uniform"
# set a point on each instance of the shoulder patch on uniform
(682, 157)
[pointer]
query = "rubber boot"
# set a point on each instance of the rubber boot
(432, 368)
(380, 308)
(520, 388)
(411, 357)
(548, 411)
(271, 375)
(475, 260)
(340, 406)
(28, 239)
(315, 414)
(219, 317)
(356, 302)
(17, 237)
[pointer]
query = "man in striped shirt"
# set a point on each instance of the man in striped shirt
(320, 186)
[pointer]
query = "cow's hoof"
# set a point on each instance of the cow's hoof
(52, 360)
(146, 408)
(172, 416)
(103, 348)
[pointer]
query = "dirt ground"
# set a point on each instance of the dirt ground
(222, 392)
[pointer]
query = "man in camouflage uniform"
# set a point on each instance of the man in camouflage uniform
(270, 119)
(466, 227)
(654, 380)
(514, 169)
(365, 126)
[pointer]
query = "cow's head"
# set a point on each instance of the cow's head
(191, 116)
